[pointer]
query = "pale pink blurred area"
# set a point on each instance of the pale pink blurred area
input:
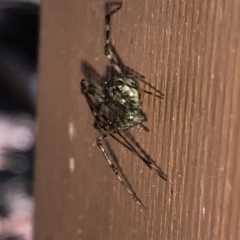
(16, 199)
(17, 224)
(20, 210)
(17, 133)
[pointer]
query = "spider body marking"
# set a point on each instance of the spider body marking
(122, 96)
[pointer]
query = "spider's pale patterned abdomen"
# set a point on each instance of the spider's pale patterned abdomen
(123, 97)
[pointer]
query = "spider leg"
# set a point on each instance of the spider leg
(155, 93)
(107, 49)
(88, 88)
(145, 158)
(102, 123)
(116, 170)
(135, 75)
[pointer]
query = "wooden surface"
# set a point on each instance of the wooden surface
(190, 50)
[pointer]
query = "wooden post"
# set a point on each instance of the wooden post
(190, 50)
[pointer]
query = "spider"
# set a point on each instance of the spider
(122, 98)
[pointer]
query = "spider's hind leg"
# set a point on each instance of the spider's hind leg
(138, 77)
(116, 169)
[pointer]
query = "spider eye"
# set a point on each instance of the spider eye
(119, 84)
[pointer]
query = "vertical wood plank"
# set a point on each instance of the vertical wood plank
(189, 50)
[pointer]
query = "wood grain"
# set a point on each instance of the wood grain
(190, 50)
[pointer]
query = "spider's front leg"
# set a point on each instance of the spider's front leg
(88, 88)
(115, 168)
(107, 49)
(91, 92)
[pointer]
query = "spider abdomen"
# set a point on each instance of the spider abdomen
(123, 97)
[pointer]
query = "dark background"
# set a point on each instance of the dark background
(190, 50)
